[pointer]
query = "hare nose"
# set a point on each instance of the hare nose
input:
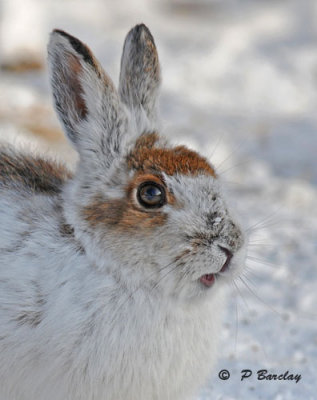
(229, 255)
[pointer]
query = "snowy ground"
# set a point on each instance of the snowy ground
(240, 85)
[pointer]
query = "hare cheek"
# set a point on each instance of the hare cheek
(122, 216)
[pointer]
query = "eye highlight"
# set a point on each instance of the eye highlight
(151, 195)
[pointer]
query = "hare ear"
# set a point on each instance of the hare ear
(140, 76)
(85, 98)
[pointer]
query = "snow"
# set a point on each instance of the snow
(239, 85)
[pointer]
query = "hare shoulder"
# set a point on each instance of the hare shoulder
(30, 174)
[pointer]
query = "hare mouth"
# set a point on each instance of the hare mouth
(209, 279)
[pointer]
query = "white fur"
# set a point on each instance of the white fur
(94, 341)
(99, 314)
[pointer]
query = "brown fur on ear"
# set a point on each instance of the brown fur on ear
(72, 75)
(75, 75)
(178, 160)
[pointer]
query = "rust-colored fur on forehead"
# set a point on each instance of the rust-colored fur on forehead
(147, 141)
(149, 162)
(146, 157)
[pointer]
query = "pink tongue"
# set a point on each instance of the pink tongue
(207, 279)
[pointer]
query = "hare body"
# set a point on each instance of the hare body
(69, 331)
(106, 277)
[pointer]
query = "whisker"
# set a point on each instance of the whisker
(237, 320)
(152, 276)
(226, 182)
(264, 262)
(247, 285)
(234, 166)
(301, 315)
(241, 295)
(257, 239)
(261, 244)
(168, 272)
(250, 271)
(262, 221)
(232, 152)
(220, 138)
(162, 277)
(232, 186)
(236, 329)
(262, 346)
(266, 225)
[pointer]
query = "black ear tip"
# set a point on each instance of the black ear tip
(77, 45)
(141, 27)
(141, 32)
(64, 34)
(56, 30)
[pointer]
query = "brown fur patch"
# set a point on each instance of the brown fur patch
(34, 174)
(126, 214)
(182, 255)
(72, 79)
(149, 162)
(146, 141)
(122, 215)
(178, 160)
(71, 76)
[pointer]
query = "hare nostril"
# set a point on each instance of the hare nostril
(229, 255)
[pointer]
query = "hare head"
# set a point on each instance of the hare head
(148, 212)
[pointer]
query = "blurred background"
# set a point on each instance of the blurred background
(239, 85)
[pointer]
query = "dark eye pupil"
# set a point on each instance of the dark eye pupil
(151, 192)
(151, 195)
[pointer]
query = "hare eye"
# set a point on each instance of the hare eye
(151, 195)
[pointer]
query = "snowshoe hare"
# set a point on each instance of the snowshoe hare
(112, 279)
